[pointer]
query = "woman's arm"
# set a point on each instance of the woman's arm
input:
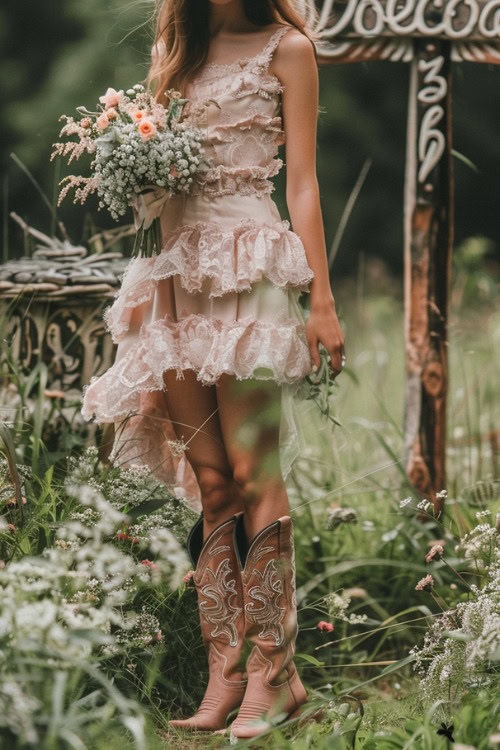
(295, 65)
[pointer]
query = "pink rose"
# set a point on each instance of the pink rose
(138, 115)
(102, 121)
(147, 129)
(111, 98)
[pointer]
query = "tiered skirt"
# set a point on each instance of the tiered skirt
(222, 297)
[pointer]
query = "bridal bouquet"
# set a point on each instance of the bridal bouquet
(143, 154)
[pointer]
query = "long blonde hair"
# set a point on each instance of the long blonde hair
(182, 35)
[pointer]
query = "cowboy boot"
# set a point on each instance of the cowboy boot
(220, 604)
(268, 579)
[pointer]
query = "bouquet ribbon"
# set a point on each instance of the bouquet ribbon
(148, 205)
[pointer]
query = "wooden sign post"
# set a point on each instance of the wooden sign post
(431, 35)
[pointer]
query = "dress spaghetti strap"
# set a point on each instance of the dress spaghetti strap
(264, 58)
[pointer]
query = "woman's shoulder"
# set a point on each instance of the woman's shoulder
(294, 46)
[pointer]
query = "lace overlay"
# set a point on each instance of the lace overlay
(221, 297)
(242, 122)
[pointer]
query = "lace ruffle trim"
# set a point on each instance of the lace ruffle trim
(244, 180)
(244, 348)
(233, 260)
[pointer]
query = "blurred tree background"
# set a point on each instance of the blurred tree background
(59, 54)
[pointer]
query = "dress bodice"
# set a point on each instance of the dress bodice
(238, 106)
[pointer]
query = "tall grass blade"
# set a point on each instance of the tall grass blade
(347, 212)
(39, 189)
(5, 218)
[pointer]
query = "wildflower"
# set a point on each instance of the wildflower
(178, 447)
(111, 98)
(437, 549)
(12, 500)
(482, 514)
(127, 538)
(325, 626)
(405, 502)
(188, 576)
(423, 505)
(149, 564)
(337, 515)
(425, 584)
(12, 528)
(85, 122)
(147, 129)
(102, 121)
(159, 636)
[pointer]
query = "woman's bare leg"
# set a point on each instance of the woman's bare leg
(253, 458)
(190, 404)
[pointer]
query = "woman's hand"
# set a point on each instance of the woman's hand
(323, 326)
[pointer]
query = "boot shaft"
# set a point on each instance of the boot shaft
(270, 608)
(218, 585)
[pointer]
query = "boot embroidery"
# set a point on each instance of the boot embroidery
(270, 614)
(292, 580)
(222, 613)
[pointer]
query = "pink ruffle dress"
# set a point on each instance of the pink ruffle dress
(222, 296)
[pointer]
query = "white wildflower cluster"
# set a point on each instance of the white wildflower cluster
(481, 545)
(136, 142)
(338, 604)
(127, 490)
(462, 646)
(146, 631)
(57, 609)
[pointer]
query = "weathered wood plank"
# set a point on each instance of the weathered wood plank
(428, 252)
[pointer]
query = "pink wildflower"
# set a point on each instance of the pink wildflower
(149, 564)
(437, 549)
(102, 121)
(159, 636)
(127, 538)
(85, 122)
(325, 626)
(188, 576)
(111, 98)
(425, 584)
(111, 113)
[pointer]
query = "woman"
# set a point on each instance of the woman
(219, 306)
